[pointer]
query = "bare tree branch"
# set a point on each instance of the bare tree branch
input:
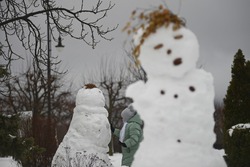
(17, 18)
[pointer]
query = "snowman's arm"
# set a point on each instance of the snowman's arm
(117, 132)
(135, 133)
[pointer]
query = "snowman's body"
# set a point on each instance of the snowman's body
(89, 134)
(176, 103)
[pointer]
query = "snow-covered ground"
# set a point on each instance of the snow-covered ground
(8, 162)
(116, 159)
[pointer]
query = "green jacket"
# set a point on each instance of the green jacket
(133, 137)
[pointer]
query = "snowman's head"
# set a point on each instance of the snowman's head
(163, 45)
(169, 52)
(91, 96)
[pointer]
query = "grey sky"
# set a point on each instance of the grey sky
(222, 27)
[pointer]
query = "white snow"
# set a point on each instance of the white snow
(176, 104)
(26, 114)
(89, 133)
(8, 162)
(238, 126)
(12, 137)
(116, 159)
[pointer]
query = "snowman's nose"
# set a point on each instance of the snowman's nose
(177, 61)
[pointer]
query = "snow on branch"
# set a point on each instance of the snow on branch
(238, 126)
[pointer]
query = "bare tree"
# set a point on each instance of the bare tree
(4, 74)
(135, 68)
(28, 92)
(19, 18)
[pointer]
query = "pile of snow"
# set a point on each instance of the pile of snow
(238, 126)
(116, 159)
(8, 162)
(86, 142)
(176, 103)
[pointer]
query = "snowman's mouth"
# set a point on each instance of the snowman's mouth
(177, 61)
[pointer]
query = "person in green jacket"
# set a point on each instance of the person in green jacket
(130, 135)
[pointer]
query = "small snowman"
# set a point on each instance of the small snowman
(86, 142)
(177, 100)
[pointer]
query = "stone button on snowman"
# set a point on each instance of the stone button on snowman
(176, 101)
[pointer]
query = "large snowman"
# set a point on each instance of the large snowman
(177, 100)
(86, 142)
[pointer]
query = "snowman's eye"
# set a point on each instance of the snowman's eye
(169, 51)
(178, 36)
(159, 46)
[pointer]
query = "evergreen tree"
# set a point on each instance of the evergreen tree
(12, 144)
(234, 100)
(237, 111)
(247, 89)
(8, 134)
(3, 71)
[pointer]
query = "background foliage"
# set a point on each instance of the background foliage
(236, 111)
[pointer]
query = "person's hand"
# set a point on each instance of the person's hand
(122, 144)
(112, 128)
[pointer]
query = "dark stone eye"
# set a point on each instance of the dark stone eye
(162, 92)
(179, 141)
(176, 96)
(191, 88)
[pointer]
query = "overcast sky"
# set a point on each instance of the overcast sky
(221, 26)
